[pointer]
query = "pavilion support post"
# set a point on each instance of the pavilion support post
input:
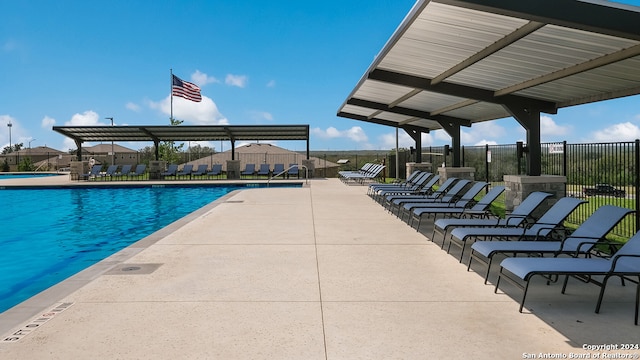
(416, 135)
(530, 120)
(233, 149)
(454, 131)
(156, 149)
(79, 153)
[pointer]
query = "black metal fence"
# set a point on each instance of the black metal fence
(612, 166)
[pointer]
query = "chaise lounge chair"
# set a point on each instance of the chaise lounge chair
(406, 205)
(186, 171)
(540, 230)
(278, 170)
(479, 210)
(393, 202)
(265, 169)
(93, 173)
(624, 263)
(216, 170)
(110, 173)
(519, 216)
(582, 240)
(409, 188)
(249, 170)
(411, 183)
(293, 170)
(457, 201)
(139, 172)
(201, 170)
(171, 171)
(124, 172)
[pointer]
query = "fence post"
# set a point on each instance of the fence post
(564, 158)
(486, 162)
(637, 183)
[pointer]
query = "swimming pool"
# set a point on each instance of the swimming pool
(26, 175)
(48, 235)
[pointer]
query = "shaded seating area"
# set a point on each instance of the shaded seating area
(522, 240)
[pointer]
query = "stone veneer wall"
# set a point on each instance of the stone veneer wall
(518, 187)
(467, 173)
(412, 166)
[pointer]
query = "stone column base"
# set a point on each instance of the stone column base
(233, 169)
(412, 166)
(518, 187)
(467, 173)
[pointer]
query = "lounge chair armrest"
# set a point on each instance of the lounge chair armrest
(516, 217)
(617, 258)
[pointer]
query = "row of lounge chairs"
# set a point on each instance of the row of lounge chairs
(367, 173)
(112, 173)
(265, 170)
(532, 246)
(202, 171)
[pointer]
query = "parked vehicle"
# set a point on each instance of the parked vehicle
(603, 189)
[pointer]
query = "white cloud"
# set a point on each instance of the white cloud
(88, 118)
(47, 122)
(201, 79)
(133, 106)
(617, 132)
(204, 112)
(261, 115)
(236, 80)
(549, 128)
(271, 84)
(485, 142)
(388, 141)
(355, 133)
(482, 133)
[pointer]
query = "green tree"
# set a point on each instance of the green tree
(168, 150)
(26, 164)
(5, 166)
(10, 149)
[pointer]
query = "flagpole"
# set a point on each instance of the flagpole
(171, 92)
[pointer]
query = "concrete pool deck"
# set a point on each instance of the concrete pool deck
(318, 272)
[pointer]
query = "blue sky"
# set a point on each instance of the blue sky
(257, 62)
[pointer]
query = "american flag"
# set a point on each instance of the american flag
(185, 89)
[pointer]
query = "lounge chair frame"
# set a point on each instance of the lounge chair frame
(625, 263)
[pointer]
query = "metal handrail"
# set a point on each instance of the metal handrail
(306, 173)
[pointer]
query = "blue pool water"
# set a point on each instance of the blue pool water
(48, 235)
(26, 175)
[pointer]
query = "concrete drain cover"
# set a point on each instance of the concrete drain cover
(133, 269)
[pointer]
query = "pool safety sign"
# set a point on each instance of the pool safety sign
(556, 148)
(35, 323)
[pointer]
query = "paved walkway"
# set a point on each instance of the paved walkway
(319, 272)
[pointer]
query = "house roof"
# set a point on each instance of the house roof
(466, 61)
